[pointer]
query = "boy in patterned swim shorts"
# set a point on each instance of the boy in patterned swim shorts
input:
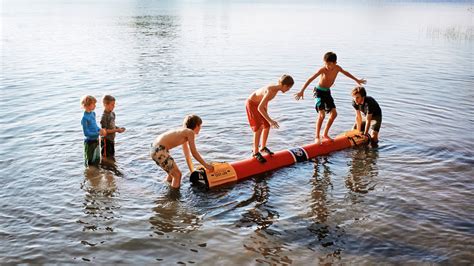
(182, 136)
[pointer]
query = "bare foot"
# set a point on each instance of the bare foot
(327, 138)
(317, 141)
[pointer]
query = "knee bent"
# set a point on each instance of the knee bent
(176, 174)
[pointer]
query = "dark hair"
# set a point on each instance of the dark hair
(192, 121)
(330, 57)
(286, 80)
(359, 90)
(108, 99)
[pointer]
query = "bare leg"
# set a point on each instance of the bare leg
(332, 116)
(256, 140)
(319, 123)
(265, 133)
(375, 136)
(176, 175)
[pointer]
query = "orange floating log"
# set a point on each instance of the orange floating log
(225, 173)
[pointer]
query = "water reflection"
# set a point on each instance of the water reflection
(269, 246)
(263, 241)
(362, 170)
(109, 164)
(100, 200)
(171, 215)
(319, 211)
(261, 214)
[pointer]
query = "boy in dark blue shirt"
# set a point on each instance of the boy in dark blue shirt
(372, 112)
(91, 131)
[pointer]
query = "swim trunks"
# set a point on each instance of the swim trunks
(370, 106)
(375, 124)
(323, 99)
(162, 158)
(91, 153)
(256, 120)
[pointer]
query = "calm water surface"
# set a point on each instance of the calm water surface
(408, 201)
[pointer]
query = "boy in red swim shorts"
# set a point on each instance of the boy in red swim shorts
(257, 113)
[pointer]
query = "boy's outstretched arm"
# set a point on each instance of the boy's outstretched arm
(195, 153)
(349, 75)
(300, 94)
(187, 156)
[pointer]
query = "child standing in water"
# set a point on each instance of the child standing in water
(372, 112)
(108, 122)
(322, 92)
(257, 114)
(182, 136)
(91, 131)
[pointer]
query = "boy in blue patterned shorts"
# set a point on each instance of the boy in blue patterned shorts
(322, 92)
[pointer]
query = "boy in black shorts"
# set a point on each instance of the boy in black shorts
(372, 112)
(322, 92)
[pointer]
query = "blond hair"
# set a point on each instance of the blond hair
(108, 99)
(87, 100)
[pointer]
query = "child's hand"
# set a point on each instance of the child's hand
(209, 167)
(103, 132)
(361, 81)
(121, 130)
(299, 95)
(274, 124)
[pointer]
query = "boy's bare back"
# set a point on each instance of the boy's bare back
(257, 95)
(174, 138)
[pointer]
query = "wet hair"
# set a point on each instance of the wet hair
(192, 121)
(286, 80)
(108, 99)
(87, 100)
(359, 90)
(330, 57)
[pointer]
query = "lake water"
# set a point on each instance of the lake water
(408, 201)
